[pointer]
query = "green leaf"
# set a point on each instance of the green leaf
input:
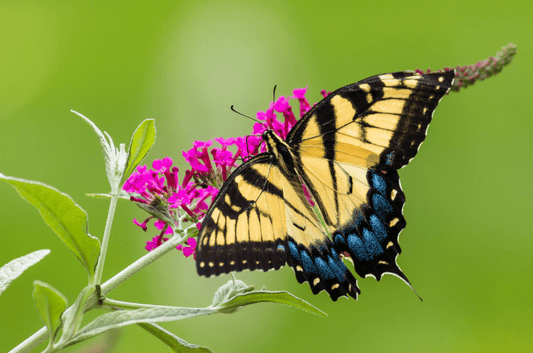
(173, 342)
(141, 142)
(150, 314)
(259, 296)
(233, 295)
(64, 216)
(115, 158)
(51, 304)
(108, 148)
(229, 290)
(16, 267)
(236, 294)
(75, 315)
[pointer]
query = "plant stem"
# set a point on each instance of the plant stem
(31, 342)
(143, 262)
(41, 335)
(105, 240)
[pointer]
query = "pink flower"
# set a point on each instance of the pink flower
(188, 250)
(158, 189)
(162, 226)
(468, 75)
(299, 94)
(143, 224)
(191, 158)
(282, 106)
(154, 243)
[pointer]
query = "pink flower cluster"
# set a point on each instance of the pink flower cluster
(158, 191)
(468, 75)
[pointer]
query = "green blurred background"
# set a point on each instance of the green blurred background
(467, 247)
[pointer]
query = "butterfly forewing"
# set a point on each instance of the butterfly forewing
(244, 227)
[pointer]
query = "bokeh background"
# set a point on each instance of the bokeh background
(466, 249)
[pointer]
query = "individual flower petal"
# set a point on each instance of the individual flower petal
(179, 198)
(162, 165)
(191, 249)
(188, 251)
(282, 104)
(191, 242)
(225, 142)
(202, 144)
(160, 224)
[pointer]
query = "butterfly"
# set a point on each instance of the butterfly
(346, 150)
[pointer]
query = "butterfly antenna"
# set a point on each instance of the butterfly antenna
(273, 100)
(246, 116)
(256, 149)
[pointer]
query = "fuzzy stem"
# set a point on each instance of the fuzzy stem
(145, 261)
(105, 240)
(93, 302)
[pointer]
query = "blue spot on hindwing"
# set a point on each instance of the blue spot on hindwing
(307, 263)
(281, 248)
(294, 251)
(355, 244)
(339, 239)
(323, 269)
(334, 254)
(382, 207)
(378, 228)
(337, 266)
(379, 183)
(371, 243)
(388, 160)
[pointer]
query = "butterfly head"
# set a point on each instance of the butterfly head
(279, 150)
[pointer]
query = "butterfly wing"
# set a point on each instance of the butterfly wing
(348, 148)
(260, 219)
(245, 226)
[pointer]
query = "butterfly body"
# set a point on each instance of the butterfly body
(346, 150)
(281, 153)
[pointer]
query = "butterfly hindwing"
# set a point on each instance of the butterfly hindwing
(371, 240)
